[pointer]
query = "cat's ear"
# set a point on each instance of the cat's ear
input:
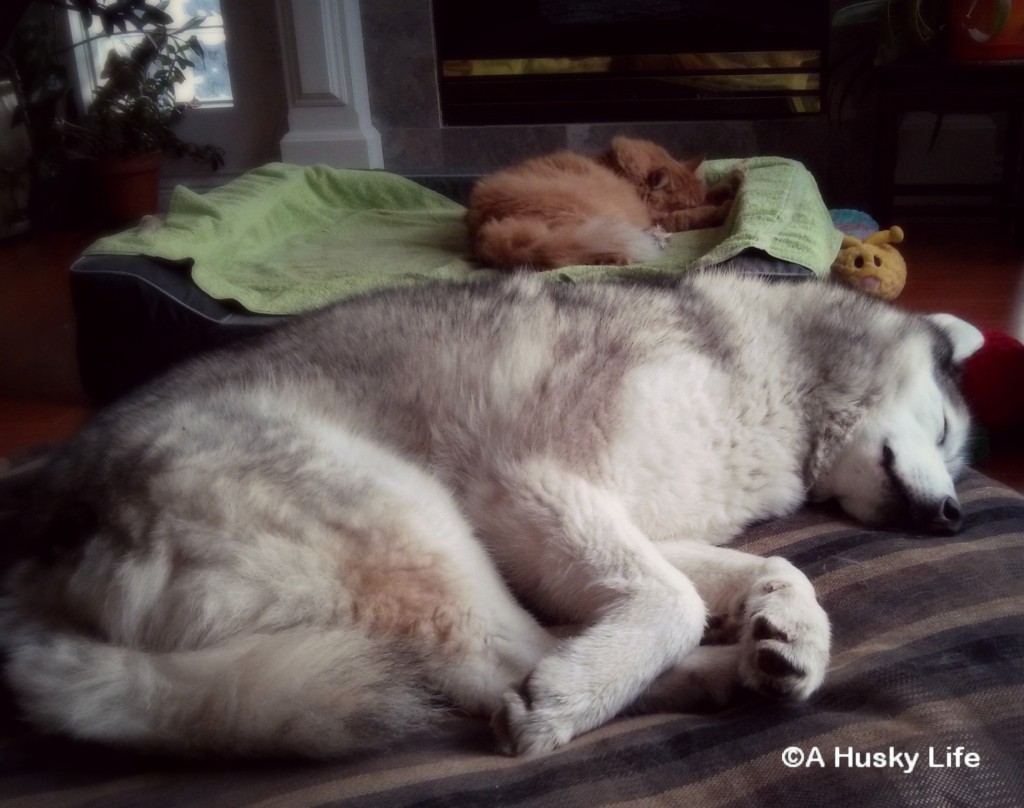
(693, 163)
(627, 157)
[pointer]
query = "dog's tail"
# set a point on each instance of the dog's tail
(301, 691)
(513, 243)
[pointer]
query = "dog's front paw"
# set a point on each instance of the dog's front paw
(525, 727)
(786, 639)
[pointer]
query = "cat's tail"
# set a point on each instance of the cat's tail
(308, 692)
(514, 243)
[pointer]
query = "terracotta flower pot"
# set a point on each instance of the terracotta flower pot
(129, 186)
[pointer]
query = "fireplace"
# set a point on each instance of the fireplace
(581, 61)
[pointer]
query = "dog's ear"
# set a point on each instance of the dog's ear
(966, 339)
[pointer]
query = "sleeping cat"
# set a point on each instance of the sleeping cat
(616, 208)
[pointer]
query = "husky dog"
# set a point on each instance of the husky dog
(329, 537)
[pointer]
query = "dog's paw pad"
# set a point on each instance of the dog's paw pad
(762, 629)
(786, 638)
(774, 664)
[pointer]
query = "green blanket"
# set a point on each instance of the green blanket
(283, 239)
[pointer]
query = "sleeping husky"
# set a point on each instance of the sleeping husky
(337, 534)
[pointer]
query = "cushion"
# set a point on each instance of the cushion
(136, 316)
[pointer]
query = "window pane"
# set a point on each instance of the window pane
(208, 83)
(212, 82)
(196, 8)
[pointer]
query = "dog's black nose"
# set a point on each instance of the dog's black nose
(947, 517)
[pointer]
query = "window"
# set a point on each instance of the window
(208, 84)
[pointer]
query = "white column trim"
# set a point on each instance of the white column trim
(325, 75)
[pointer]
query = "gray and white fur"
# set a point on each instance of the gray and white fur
(309, 543)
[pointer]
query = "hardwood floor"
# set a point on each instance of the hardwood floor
(965, 270)
(41, 399)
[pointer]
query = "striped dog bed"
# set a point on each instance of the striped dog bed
(923, 706)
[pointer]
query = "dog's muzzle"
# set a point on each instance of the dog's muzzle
(942, 517)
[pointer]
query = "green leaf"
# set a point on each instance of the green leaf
(195, 22)
(156, 16)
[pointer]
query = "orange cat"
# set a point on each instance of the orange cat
(567, 209)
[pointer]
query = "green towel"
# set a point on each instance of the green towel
(282, 239)
(780, 211)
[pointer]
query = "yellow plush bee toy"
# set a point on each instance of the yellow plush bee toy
(872, 265)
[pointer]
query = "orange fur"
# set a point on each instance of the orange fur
(566, 208)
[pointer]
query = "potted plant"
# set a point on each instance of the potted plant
(129, 124)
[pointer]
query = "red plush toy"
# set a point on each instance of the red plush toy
(993, 384)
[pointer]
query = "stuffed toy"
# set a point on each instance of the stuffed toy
(872, 265)
(993, 384)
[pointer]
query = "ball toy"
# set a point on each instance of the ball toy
(993, 384)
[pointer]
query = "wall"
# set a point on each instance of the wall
(250, 131)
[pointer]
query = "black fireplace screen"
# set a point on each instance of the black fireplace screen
(560, 61)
